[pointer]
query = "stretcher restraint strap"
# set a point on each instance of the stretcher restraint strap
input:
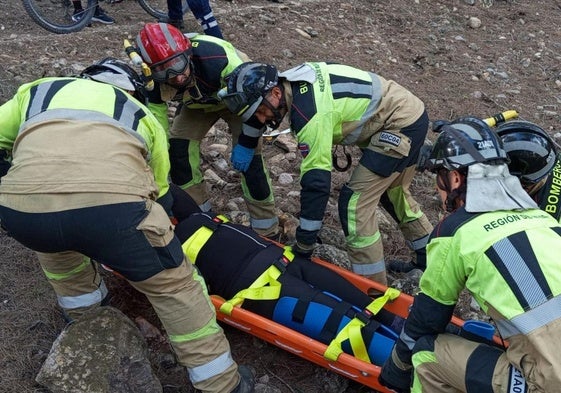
(331, 326)
(302, 304)
(352, 331)
(192, 246)
(265, 287)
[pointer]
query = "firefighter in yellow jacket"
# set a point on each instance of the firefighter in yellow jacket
(192, 71)
(499, 246)
(87, 163)
(334, 104)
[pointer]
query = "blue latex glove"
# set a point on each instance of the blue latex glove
(241, 157)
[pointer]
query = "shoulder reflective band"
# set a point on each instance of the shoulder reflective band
(265, 287)
(193, 245)
(352, 331)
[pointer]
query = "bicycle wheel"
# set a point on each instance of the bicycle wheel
(56, 15)
(159, 8)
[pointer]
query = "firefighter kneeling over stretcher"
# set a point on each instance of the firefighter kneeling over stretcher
(240, 265)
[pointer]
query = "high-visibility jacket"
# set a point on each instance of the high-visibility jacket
(342, 106)
(509, 262)
(55, 128)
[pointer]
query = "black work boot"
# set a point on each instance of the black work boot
(247, 380)
(177, 23)
(397, 266)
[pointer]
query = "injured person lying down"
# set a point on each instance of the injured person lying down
(269, 280)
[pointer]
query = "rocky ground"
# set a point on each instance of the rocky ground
(461, 57)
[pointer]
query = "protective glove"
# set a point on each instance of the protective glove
(241, 157)
(424, 155)
(395, 378)
(4, 163)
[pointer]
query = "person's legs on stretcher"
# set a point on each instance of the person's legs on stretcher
(313, 300)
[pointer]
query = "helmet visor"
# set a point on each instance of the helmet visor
(240, 104)
(171, 67)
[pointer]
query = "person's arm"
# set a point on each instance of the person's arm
(156, 140)
(158, 107)
(427, 317)
(440, 286)
(244, 150)
(10, 121)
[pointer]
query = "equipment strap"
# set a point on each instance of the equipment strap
(265, 287)
(302, 304)
(352, 331)
(329, 331)
(192, 246)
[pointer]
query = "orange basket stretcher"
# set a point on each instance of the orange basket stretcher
(313, 350)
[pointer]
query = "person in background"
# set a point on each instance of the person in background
(498, 245)
(99, 15)
(534, 159)
(330, 104)
(87, 179)
(201, 10)
(192, 71)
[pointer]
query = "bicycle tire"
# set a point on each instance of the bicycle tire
(158, 8)
(56, 15)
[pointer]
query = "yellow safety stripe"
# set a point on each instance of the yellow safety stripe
(192, 246)
(352, 331)
(63, 276)
(209, 329)
(265, 287)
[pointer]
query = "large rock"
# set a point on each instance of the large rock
(102, 352)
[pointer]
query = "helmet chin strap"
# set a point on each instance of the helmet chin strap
(452, 195)
(278, 112)
(534, 188)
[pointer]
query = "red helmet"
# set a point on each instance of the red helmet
(160, 41)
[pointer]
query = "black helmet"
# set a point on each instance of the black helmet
(531, 151)
(464, 142)
(117, 73)
(247, 85)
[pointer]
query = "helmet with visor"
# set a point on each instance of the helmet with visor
(165, 49)
(530, 149)
(247, 87)
(119, 74)
(464, 142)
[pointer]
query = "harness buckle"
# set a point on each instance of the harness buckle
(364, 316)
(281, 263)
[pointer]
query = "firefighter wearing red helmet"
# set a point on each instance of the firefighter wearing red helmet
(193, 70)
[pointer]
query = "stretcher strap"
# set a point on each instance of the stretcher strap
(352, 331)
(192, 246)
(265, 287)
